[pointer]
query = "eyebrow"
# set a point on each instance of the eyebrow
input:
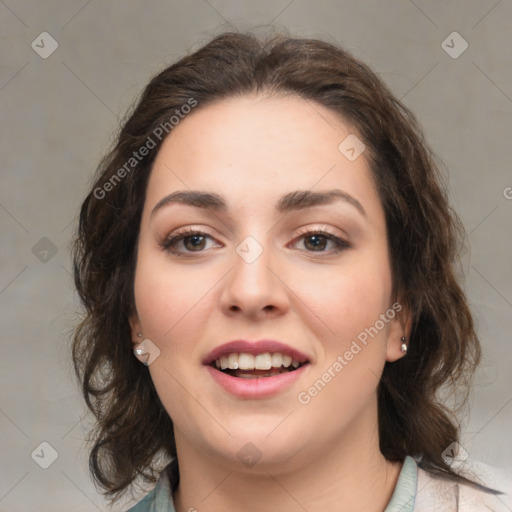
(296, 200)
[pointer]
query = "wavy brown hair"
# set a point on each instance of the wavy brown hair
(133, 429)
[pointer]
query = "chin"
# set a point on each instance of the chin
(254, 445)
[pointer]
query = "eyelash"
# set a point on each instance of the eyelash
(170, 242)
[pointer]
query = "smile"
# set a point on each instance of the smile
(248, 366)
(255, 369)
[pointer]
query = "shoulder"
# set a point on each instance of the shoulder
(490, 493)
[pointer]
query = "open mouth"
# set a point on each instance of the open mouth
(248, 366)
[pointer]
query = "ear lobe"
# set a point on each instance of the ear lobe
(394, 353)
(400, 327)
(135, 329)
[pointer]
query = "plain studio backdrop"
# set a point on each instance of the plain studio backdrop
(70, 70)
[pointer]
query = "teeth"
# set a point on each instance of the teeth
(246, 362)
(277, 360)
(287, 361)
(264, 361)
(233, 361)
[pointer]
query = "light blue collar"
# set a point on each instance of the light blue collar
(404, 495)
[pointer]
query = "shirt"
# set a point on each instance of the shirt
(416, 490)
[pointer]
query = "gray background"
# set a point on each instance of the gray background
(59, 115)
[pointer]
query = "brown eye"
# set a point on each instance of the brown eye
(197, 242)
(318, 241)
(315, 242)
(186, 242)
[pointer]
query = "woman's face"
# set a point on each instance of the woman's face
(270, 257)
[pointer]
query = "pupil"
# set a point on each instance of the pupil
(319, 241)
(198, 241)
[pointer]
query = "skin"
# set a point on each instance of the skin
(252, 150)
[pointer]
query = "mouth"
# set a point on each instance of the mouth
(253, 368)
(248, 366)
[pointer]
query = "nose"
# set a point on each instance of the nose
(254, 288)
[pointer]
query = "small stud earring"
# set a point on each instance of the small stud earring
(139, 335)
(403, 347)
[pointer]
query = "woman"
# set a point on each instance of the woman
(267, 262)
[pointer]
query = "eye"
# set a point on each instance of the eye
(193, 241)
(318, 240)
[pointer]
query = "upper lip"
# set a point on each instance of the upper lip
(254, 348)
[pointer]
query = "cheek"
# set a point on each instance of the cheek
(351, 305)
(168, 300)
(169, 304)
(348, 298)
(369, 298)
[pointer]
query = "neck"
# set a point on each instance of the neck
(350, 474)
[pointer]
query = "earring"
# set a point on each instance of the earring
(139, 335)
(403, 347)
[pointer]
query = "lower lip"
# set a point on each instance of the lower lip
(262, 387)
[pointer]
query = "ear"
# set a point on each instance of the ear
(135, 329)
(399, 326)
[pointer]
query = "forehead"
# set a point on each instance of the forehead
(274, 130)
(259, 147)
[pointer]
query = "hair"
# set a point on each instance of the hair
(424, 238)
